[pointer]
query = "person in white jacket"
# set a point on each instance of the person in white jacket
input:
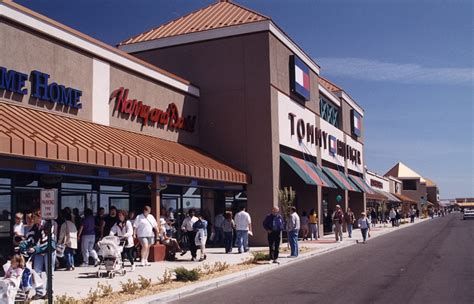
(68, 237)
(124, 230)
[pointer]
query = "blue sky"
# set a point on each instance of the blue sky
(409, 63)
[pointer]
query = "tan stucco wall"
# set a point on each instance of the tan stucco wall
(24, 51)
(280, 74)
(155, 96)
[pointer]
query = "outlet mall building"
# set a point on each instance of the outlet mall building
(210, 111)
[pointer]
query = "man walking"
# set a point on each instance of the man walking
(412, 215)
(350, 219)
(243, 224)
(293, 228)
(338, 220)
(273, 224)
(188, 228)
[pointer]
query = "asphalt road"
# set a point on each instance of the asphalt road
(432, 262)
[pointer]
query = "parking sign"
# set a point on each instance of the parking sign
(49, 209)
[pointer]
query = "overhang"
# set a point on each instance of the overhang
(31, 133)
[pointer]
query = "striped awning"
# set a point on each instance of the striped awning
(406, 199)
(340, 179)
(309, 172)
(361, 184)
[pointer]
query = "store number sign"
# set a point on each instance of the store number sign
(49, 204)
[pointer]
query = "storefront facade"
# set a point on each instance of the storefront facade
(261, 104)
(101, 127)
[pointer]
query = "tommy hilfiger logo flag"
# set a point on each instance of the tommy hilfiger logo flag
(356, 123)
(299, 74)
(332, 145)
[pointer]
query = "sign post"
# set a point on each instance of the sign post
(49, 212)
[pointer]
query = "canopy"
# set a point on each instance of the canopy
(340, 179)
(309, 172)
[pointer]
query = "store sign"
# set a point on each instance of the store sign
(299, 78)
(356, 123)
(138, 109)
(49, 204)
(41, 87)
(376, 184)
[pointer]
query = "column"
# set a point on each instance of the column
(155, 197)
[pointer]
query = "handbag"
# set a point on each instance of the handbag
(60, 250)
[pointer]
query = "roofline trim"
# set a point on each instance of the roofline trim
(329, 95)
(234, 30)
(350, 101)
(25, 17)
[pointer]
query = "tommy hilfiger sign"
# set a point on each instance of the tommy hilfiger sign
(137, 108)
(307, 132)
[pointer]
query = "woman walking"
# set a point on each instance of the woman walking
(201, 236)
(313, 224)
(364, 225)
(228, 227)
(145, 226)
(124, 230)
(87, 236)
(304, 225)
(68, 237)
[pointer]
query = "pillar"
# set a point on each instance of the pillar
(155, 197)
(319, 198)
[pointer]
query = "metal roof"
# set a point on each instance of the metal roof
(27, 132)
(218, 15)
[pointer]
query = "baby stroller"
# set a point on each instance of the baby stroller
(110, 248)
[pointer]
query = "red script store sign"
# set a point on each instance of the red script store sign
(135, 108)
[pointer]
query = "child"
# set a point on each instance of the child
(12, 279)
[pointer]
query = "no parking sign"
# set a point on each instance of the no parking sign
(49, 204)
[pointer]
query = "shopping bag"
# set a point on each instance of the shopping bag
(37, 280)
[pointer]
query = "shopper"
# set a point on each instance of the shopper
(171, 243)
(110, 220)
(304, 225)
(99, 224)
(68, 237)
(18, 229)
(243, 227)
(187, 227)
(350, 220)
(393, 217)
(338, 220)
(200, 227)
(273, 224)
(313, 225)
(218, 232)
(11, 282)
(228, 227)
(87, 235)
(364, 225)
(412, 215)
(124, 230)
(293, 226)
(373, 217)
(145, 227)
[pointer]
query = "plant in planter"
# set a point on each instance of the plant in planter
(286, 199)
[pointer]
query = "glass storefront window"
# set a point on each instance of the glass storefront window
(5, 215)
(114, 195)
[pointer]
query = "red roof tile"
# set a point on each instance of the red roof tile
(329, 85)
(218, 15)
(32, 133)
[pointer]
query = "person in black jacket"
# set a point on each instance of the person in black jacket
(273, 224)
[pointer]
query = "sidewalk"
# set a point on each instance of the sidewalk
(77, 283)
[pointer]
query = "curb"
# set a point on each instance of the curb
(200, 287)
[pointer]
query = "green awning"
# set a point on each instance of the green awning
(309, 172)
(340, 179)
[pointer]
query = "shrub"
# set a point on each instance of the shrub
(144, 282)
(167, 277)
(185, 275)
(64, 299)
(92, 297)
(105, 289)
(219, 266)
(259, 256)
(129, 286)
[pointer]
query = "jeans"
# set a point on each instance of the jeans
(293, 240)
(192, 244)
(40, 263)
(313, 231)
(349, 230)
(218, 236)
(274, 244)
(393, 220)
(242, 240)
(228, 237)
(364, 233)
(412, 218)
(69, 257)
(338, 231)
(128, 253)
(87, 245)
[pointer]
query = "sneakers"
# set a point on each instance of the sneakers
(183, 253)
(275, 262)
(133, 268)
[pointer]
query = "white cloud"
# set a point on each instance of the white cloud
(395, 72)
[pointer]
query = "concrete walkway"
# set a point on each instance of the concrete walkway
(77, 283)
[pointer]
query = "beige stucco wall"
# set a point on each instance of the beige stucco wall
(155, 96)
(280, 74)
(24, 51)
